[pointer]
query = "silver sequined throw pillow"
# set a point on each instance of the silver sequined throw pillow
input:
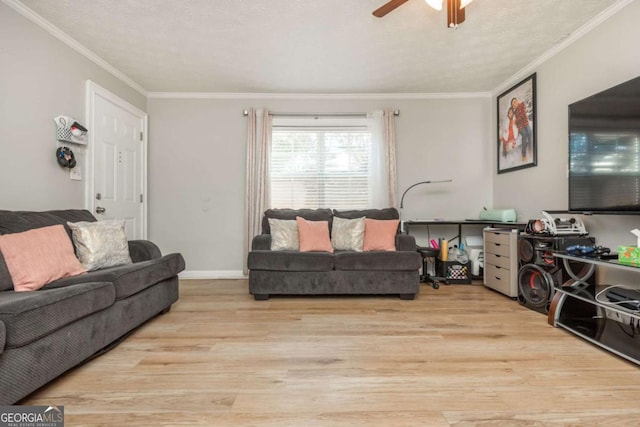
(284, 235)
(100, 244)
(347, 234)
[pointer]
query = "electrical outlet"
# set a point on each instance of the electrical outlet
(75, 174)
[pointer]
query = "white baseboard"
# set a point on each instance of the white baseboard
(212, 274)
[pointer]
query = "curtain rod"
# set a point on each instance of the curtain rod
(246, 113)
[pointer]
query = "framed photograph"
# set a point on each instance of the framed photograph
(517, 148)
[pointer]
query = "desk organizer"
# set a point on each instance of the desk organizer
(455, 272)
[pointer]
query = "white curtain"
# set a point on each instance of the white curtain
(257, 182)
(382, 173)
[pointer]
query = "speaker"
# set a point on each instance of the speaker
(540, 272)
(538, 250)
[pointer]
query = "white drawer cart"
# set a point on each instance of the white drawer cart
(501, 260)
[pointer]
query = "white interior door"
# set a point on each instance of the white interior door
(118, 156)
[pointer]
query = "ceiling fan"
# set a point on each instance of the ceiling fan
(455, 9)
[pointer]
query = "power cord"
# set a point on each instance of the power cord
(616, 303)
(635, 327)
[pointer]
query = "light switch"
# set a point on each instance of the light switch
(75, 173)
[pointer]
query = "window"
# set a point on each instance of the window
(321, 163)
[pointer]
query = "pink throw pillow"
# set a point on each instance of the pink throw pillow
(314, 235)
(380, 235)
(39, 256)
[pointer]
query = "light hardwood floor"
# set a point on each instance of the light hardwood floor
(461, 355)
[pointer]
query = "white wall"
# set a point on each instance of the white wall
(41, 78)
(197, 166)
(604, 57)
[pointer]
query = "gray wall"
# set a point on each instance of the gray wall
(197, 147)
(606, 56)
(197, 166)
(41, 78)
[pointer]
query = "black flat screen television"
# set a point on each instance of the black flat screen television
(604, 151)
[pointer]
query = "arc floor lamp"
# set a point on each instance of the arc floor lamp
(415, 185)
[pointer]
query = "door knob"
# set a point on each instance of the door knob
(100, 209)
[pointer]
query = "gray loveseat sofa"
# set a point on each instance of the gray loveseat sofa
(46, 332)
(342, 272)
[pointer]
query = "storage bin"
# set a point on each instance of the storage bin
(455, 272)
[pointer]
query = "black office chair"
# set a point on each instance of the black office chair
(430, 253)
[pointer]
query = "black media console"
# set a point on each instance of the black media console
(604, 315)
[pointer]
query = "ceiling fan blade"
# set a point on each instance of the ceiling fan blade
(455, 13)
(388, 7)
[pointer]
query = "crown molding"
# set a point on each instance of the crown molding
(308, 96)
(73, 43)
(562, 45)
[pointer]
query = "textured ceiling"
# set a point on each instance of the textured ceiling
(316, 46)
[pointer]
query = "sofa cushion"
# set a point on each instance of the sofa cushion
(291, 214)
(381, 261)
(387, 213)
(290, 261)
(29, 316)
(130, 279)
(19, 221)
(380, 235)
(100, 244)
(284, 235)
(314, 236)
(348, 234)
(38, 256)
(3, 336)
(6, 284)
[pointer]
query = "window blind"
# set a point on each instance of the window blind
(320, 166)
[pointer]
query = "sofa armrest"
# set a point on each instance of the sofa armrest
(261, 242)
(143, 250)
(406, 242)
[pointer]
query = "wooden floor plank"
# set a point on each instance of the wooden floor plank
(460, 355)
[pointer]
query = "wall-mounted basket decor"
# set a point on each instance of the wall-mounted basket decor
(69, 130)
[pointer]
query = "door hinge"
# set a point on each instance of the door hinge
(141, 199)
(141, 136)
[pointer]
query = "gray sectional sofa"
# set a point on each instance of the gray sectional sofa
(342, 272)
(46, 332)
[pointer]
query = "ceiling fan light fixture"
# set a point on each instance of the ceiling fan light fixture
(436, 4)
(455, 9)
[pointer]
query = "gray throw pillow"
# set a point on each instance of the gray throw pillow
(348, 234)
(100, 244)
(284, 235)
